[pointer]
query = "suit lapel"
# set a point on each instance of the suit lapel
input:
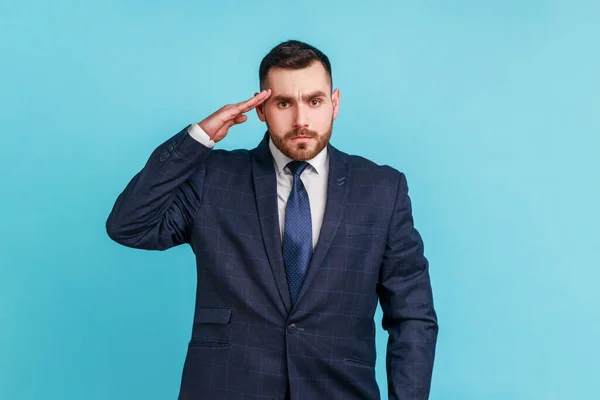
(337, 193)
(265, 190)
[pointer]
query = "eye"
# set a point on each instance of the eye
(282, 104)
(315, 102)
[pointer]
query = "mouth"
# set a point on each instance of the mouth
(301, 138)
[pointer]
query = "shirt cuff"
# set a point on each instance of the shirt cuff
(199, 135)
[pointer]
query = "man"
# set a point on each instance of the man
(295, 243)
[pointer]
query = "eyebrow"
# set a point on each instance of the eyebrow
(308, 96)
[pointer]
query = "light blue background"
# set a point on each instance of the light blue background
(492, 109)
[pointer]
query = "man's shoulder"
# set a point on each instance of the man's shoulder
(363, 168)
(234, 160)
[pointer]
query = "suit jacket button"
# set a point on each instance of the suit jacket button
(292, 328)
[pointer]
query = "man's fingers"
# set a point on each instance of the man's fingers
(240, 119)
(249, 104)
(235, 110)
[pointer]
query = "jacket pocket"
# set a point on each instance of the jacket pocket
(208, 343)
(359, 363)
(212, 315)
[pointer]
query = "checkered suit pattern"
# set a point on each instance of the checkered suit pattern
(247, 340)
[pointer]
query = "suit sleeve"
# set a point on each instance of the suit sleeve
(406, 300)
(156, 209)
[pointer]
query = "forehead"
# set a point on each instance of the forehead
(290, 81)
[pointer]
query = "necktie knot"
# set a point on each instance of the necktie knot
(297, 167)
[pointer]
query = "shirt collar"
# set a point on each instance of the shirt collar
(318, 162)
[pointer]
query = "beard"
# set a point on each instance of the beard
(301, 151)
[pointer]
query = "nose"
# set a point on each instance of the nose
(301, 120)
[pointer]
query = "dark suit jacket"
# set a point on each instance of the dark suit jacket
(247, 340)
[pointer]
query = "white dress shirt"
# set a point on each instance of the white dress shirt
(314, 179)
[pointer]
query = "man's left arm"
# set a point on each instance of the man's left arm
(406, 300)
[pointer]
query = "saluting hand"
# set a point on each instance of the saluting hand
(218, 123)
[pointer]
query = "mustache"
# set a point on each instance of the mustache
(301, 132)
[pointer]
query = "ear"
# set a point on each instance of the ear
(335, 99)
(260, 110)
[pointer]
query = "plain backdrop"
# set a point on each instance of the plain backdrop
(491, 109)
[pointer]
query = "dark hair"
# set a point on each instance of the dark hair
(292, 54)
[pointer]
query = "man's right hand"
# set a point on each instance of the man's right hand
(218, 123)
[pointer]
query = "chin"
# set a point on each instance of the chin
(301, 152)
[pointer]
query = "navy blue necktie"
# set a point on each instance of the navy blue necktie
(297, 233)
